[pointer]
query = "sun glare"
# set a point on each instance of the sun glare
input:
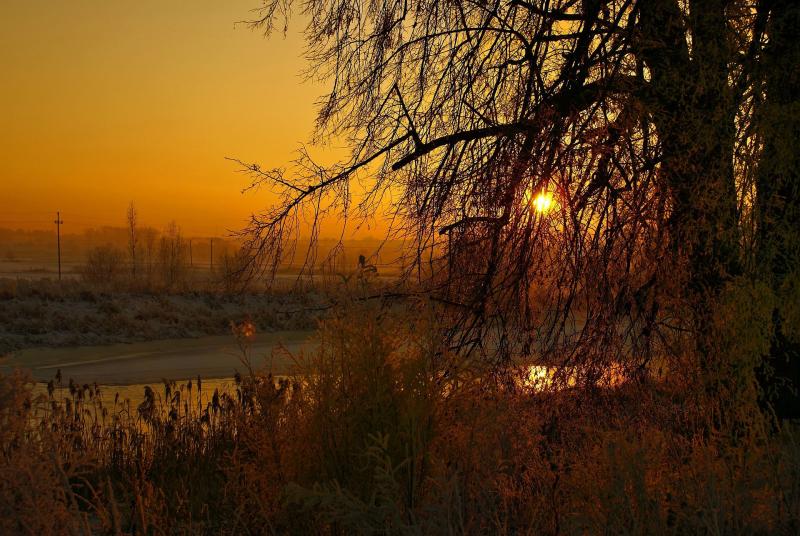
(543, 202)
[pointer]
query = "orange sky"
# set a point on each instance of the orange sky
(105, 101)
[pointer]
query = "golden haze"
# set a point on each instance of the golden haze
(105, 102)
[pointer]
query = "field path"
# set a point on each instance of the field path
(145, 362)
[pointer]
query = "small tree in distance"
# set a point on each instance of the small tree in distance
(150, 237)
(172, 256)
(133, 238)
(104, 265)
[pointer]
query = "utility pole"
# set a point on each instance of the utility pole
(212, 255)
(58, 223)
(191, 263)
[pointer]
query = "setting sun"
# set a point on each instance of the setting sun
(544, 202)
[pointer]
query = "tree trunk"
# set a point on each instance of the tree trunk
(693, 110)
(778, 196)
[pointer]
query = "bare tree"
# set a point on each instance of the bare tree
(133, 237)
(104, 265)
(172, 256)
(777, 185)
(149, 236)
(574, 174)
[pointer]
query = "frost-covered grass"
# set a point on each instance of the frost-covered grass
(45, 312)
(382, 430)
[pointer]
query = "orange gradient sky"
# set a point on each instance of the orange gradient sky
(106, 102)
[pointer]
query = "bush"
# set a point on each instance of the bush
(383, 430)
(105, 265)
(8, 289)
(233, 271)
(172, 258)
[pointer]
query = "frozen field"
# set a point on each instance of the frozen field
(43, 313)
(152, 361)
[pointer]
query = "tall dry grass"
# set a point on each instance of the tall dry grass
(383, 431)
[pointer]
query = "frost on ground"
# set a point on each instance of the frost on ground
(46, 313)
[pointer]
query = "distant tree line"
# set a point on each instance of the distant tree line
(151, 258)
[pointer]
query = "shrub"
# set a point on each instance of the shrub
(172, 258)
(8, 289)
(105, 265)
(233, 271)
(383, 430)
